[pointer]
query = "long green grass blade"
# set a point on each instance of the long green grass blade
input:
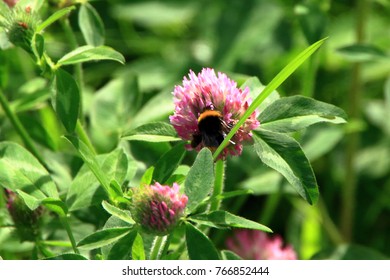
(273, 85)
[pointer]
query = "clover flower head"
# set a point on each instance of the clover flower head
(26, 221)
(256, 245)
(158, 208)
(207, 106)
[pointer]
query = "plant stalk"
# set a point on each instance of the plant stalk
(65, 222)
(84, 136)
(218, 184)
(329, 225)
(158, 247)
(309, 80)
(270, 207)
(354, 99)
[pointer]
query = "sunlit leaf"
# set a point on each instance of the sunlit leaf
(56, 205)
(20, 170)
(90, 53)
(284, 154)
(91, 25)
(119, 213)
(103, 237)
(225, 219)
(86, 189)
(152, 132)
(90, 160)
(295, 113)
(54, 17)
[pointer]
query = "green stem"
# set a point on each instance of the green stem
(270, 207)
(218, 185)
(354, 99)
(158, 247)
(57, 243)
(42, 248)
(28, 142)
(329, 226)
(310, 76)
(70, 36)
(84, 136)
(65, 222)
(167, 242)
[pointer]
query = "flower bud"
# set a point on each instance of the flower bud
(11, 3)
(25, 220)
(20, 25)
(158, 208)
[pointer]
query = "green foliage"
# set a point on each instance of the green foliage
(168, 163)
(67, 257)
(22, 171)
(66, 99)
(122, 250)
(200, 179)
(103, 237)
(90, 53)
(199, 246)
(152, 132)
(360, 52)
(119, 213)
(295, 113)
(54, 17)
(282, 153)
(91, 25)
(223, 218)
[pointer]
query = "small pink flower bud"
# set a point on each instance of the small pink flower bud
(26, 221)
(158, 208)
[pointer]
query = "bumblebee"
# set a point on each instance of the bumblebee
(212, 129)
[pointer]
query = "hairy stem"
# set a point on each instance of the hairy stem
(218, 184)
(158, 247)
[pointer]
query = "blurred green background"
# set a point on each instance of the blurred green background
(162, 40)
